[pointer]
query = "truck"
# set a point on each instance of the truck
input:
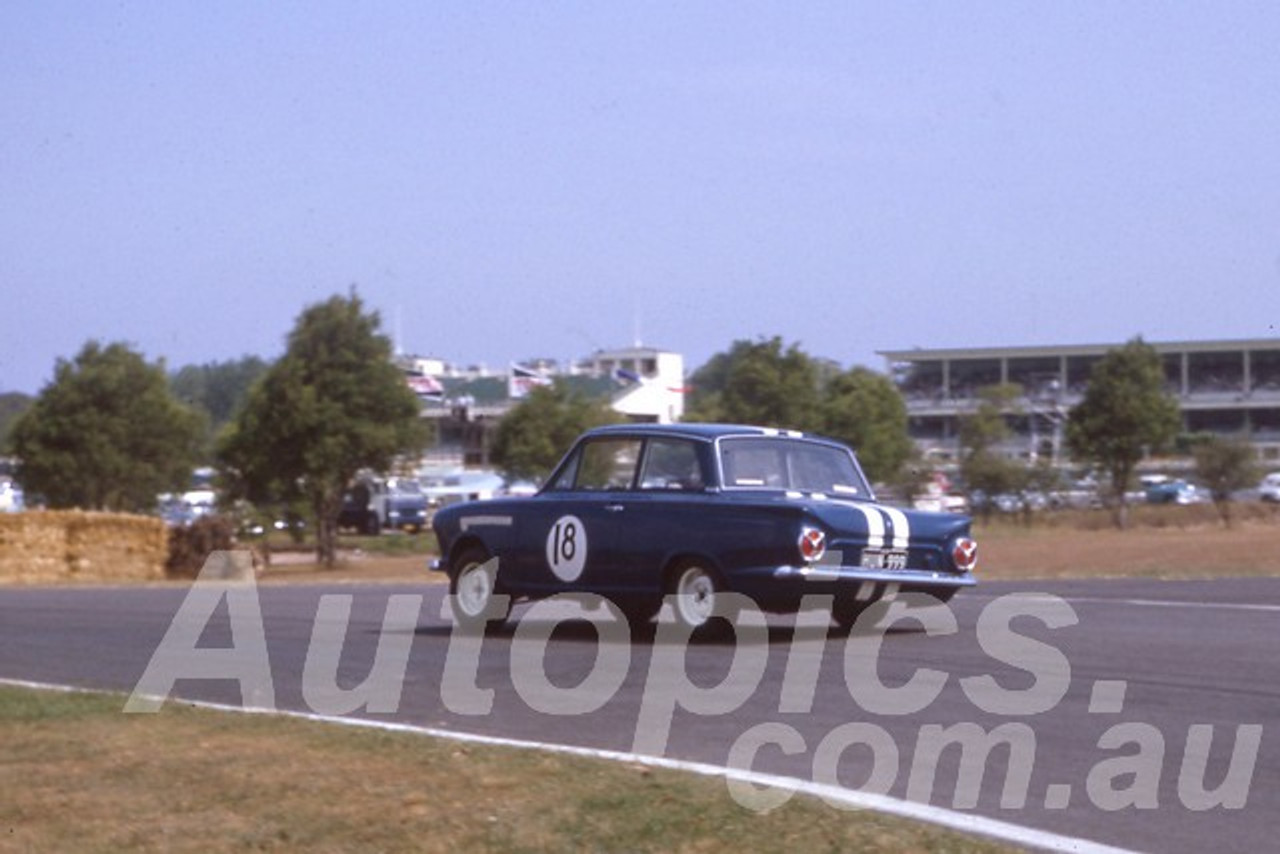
(374, 504)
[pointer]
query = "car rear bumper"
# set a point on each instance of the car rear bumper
(905, 577)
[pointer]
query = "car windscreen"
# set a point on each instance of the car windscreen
(792, 464)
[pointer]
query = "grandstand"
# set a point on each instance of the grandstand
(1224, 388)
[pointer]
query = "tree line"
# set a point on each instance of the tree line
(112, 430)
(1124, 416)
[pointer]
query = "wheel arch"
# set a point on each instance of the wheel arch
(463, 544)
(679, 561)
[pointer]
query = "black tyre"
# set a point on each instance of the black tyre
(637, 612)
(944, 596)
(846, 611)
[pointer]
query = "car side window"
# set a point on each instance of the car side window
(602, 464)
(671, 464)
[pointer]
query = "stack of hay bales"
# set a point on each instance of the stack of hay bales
(61, 545)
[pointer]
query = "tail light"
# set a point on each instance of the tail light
(965, 554)
(813, 544)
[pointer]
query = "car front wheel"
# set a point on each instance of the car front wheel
(473, 586)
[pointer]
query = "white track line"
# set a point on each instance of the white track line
(851, 799)
(1141, 603)
(1166, 603)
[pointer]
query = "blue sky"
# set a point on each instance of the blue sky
(541, 179)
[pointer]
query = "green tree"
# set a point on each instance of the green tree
(12, 405)
(982, 431)
(758, 382)
(217, 388)
(332, 405)
(533, 436)
(1125, 414)
(864, 409)
(1225, 466)
(912, 477)
(106, 433)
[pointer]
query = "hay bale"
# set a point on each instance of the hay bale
(58, 545)
(32, 547)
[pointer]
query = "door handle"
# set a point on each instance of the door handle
(615, 508)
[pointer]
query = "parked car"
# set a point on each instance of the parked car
(634, 513)
(375, 503)
(938, 496)
(1269, 489)
(11, 498)
(199, 500)
(1170, 491)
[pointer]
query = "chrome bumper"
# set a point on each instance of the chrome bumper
(887, 576)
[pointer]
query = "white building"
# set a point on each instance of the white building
(642, 383)
(653, 386)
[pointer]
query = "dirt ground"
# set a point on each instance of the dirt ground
(351, 569)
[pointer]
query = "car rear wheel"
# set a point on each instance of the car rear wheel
(944, 596)
(697, 602)
(473, 586)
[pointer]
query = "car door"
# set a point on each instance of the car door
(664, 514)
(568, 535)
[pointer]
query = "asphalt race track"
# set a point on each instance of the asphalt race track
(1109, 691)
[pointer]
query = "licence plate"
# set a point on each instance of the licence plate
(884, 558)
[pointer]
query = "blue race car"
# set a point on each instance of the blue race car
(636, 512)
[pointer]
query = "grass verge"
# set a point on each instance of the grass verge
(1194, 549)
(79, 775)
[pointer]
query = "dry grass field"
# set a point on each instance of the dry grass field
(1161, 542)
(1203, 550)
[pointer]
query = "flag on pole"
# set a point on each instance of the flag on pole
(425, 387)
(524, 380)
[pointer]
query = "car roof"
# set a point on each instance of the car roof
(705, 432)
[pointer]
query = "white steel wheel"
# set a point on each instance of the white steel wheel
(473, 588)
(696, 594)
